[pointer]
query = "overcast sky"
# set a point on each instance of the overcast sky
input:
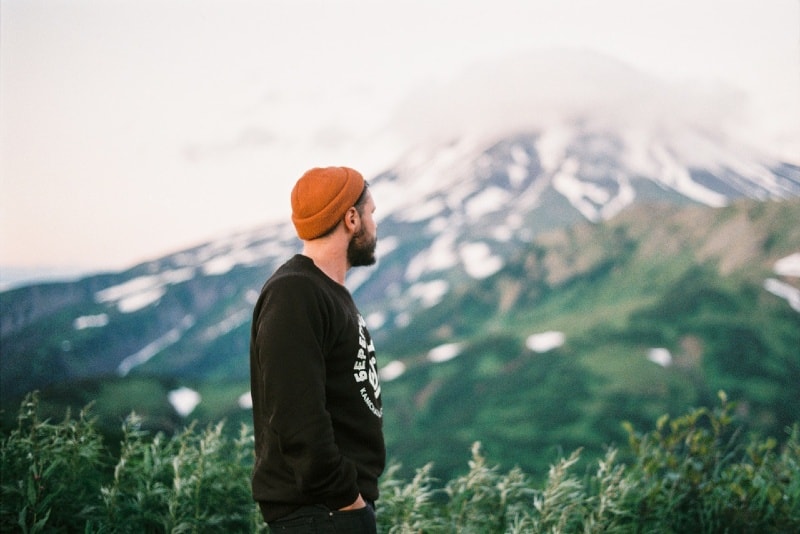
(133, 128)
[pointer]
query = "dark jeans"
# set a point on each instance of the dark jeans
(318, 519)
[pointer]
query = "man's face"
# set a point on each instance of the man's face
(361, 249)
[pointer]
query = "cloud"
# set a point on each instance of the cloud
(250, 137)
(537, 89)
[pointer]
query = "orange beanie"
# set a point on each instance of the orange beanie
(321, 197)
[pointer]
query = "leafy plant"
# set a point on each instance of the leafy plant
(693, 473)
(193, 482)
(50, 472)
(699, 472)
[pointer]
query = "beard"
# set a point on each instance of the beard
(361, 249)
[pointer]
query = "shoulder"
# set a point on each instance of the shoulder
(294, 282)
(291, 284)
(298, 269)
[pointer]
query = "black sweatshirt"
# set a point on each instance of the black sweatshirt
(317, 409)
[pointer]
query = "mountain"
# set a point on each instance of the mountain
(533, 288)
(590, 325)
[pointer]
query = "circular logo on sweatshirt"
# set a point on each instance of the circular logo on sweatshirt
(365, 370)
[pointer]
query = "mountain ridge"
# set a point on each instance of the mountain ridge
(485, 261)
(595, 324)
(463, 209)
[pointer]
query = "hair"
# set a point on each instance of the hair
(362, 199)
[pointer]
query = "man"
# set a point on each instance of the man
(317, 408)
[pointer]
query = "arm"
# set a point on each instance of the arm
(291, 341)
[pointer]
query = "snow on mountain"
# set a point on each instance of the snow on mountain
(788, 267)
(503, 155)
(471, 202)
(392, 370)
(539, 133)
(444, 353)
(599, 127)
(545, 341)
(785, 291)
(154, 347)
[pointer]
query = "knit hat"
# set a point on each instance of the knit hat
(321, 197)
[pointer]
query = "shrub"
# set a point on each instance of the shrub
(50, 473)
(192, 482)
(694, 473)
(60, 478)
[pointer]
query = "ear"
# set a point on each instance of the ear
(352, 220)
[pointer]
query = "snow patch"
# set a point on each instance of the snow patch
(219, 265)
(478, 260)
(154, 347)
(141, 300)
(90, 321)
(437, 225)
(425, 173)
(392, 370)
(386, 245)
(584, 196)
(502, 233)
(545, 341)
(516, 174)
(142, 291)
(356, 277)
(487, 201)
(184, 400)
(375, 320)
(677, 177)
(228, 324)
(245, 401)
(661, 356)
(518, 170)
(444, 353)
(429, 293)
(440, 256)
(785, 291)
(552, 146)
(788, 266)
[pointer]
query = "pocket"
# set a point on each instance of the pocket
(294, 524)
(303, 520)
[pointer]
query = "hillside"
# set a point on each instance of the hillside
(548, 267)
(652, 312)
(585, 326)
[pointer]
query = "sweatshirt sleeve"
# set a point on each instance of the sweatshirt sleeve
(291, 342)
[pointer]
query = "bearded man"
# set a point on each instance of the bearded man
(317, 411)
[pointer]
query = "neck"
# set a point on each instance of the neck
(331, 260)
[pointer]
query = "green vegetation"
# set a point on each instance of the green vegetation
(528, 408)
(616, 291)
(699, 472)
(688, 282)
(653, 278)
(63, 478)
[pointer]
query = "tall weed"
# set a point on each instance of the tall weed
(50, 473)
(696, 473)
(196, 481)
